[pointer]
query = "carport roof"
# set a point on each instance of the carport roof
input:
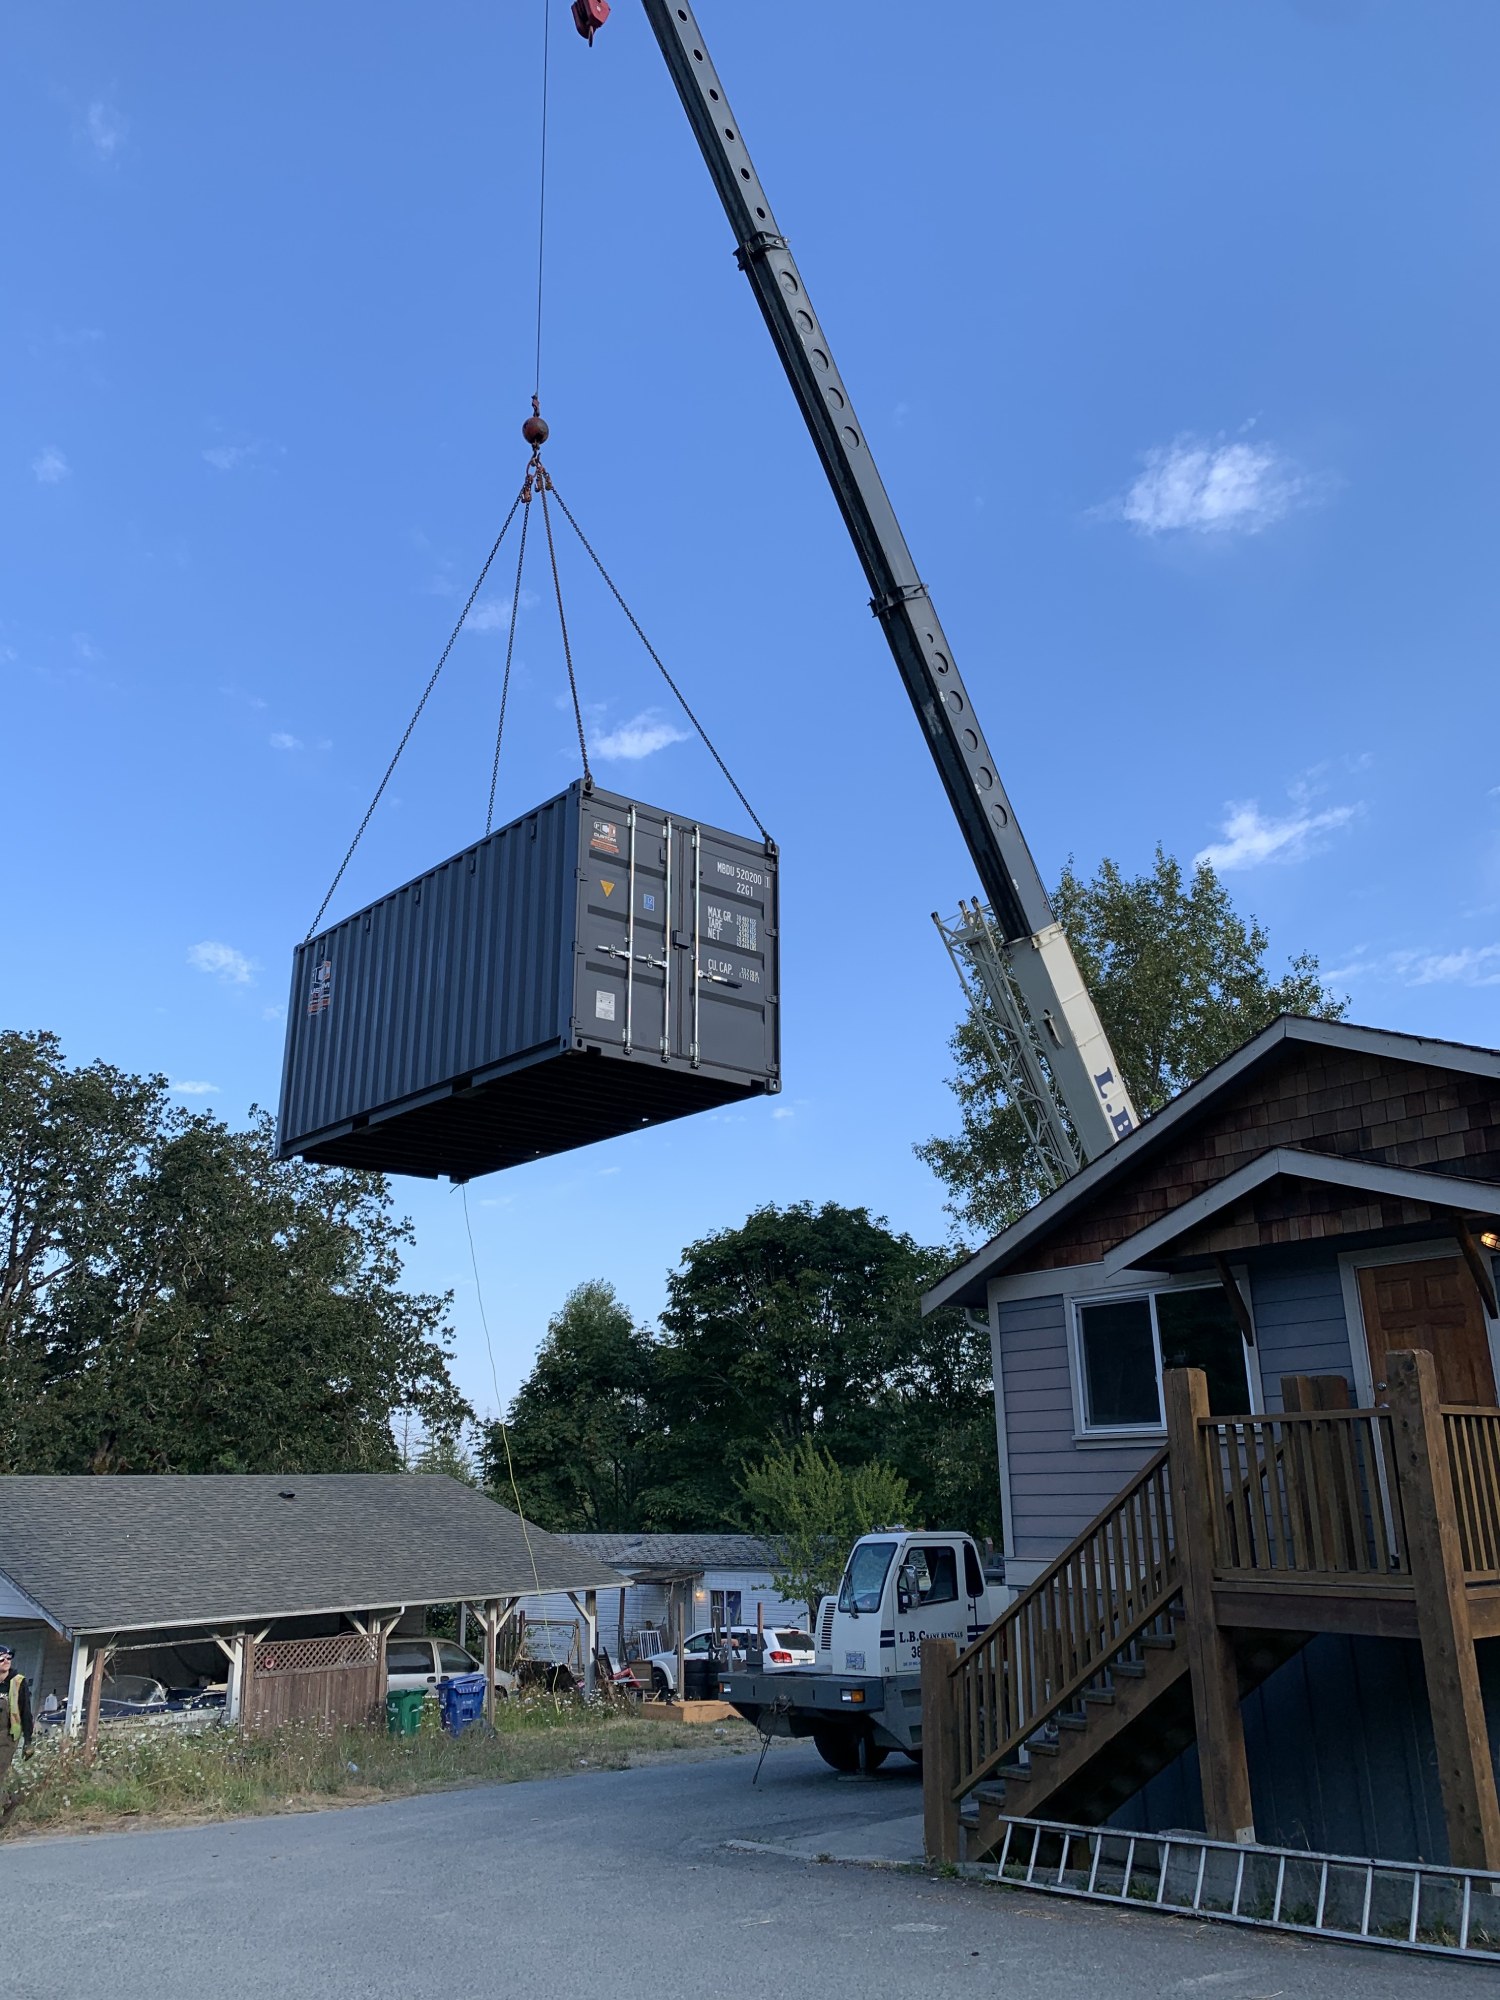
(117, 1553)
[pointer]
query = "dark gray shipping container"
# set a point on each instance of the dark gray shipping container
(596, 966)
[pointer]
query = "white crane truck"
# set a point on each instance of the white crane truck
(863, 1698)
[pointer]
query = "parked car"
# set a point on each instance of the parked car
(784, 1646)
(422, 1663)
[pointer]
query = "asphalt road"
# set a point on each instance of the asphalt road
(670, 1882)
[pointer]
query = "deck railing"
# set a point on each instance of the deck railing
(1102, 1592)
(1473, 1440)
(1307, 1495)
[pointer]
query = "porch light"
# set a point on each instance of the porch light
(1490, 1239)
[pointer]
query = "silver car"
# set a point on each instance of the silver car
(422, 1663)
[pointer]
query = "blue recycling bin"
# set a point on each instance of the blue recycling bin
(460, 1701)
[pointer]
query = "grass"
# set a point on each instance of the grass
(219, 1773)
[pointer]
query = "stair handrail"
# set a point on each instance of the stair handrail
(1122, 1578)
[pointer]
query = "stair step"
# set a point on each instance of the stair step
(1164, 1640)
(1104, 1697)
(1133, 1670)
(1072, 1722)
(1041, 1749)
(1014, 1774)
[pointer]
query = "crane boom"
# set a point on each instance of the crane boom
(1057, 1019)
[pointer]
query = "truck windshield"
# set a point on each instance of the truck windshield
(864, 1579)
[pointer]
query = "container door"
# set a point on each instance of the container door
(623, 993)
(725, 944)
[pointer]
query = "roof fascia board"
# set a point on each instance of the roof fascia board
(46, 1617)
(1406, 1183)
(1289, 1027)
(237, 1618)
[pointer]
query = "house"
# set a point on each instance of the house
(282, 1587)
(1328, 1196)
(678, 1582)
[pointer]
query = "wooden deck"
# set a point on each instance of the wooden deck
(1383, 1522)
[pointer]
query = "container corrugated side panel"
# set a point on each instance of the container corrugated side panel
(457, 974)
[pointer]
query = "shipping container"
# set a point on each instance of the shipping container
(594, 967)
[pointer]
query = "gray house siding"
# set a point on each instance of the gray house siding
(1339, 1745)
(1298, 1304)
(1056, 1485)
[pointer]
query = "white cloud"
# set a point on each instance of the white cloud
(50, 466)
(106, 129)
(230, 965)
(194, 1089)
(85, 648)
(1203, 486)
(491, 614)
(1251, 836)
(1469, 965)
(280, 740)
(641, 737)
(783, 1111)
(228, 457)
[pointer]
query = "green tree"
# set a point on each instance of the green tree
(784, 1328)
(1180, 979)
(811, 1509)
(177, 1300)
(582, 1424)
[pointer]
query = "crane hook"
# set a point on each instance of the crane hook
(589, 16)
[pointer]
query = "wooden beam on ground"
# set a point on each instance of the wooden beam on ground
(1466, 1769)
(1227, 1811)
(940, 1831)
(1480, 1269)
(1236, 1300)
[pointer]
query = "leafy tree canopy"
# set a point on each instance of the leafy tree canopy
(581, 1427)
(173, 1299)
(812, 1508)
(1180, 979)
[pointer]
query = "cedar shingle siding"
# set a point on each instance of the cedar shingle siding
(1325, 1100)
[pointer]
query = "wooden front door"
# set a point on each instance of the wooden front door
(1432, 1303)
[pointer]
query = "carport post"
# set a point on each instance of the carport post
(591, 1664)
(78, 1680)
(491, 1634)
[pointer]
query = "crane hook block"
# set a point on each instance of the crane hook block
(535, 430)
(589, 16)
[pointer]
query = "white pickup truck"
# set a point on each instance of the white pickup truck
(862, 1698)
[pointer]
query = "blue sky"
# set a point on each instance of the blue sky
(1172, 328)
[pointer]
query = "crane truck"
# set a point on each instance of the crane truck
(862, 1699)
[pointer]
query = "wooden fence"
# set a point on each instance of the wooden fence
(331, 1681)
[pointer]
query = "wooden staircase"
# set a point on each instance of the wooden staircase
(1230, 1548)
(1099, 1754)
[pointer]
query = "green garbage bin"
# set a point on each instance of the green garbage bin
(403, 1710)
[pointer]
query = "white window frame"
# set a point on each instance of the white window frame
(1088, 1433)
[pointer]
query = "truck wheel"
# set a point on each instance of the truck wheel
(661, 1687)
(838, 1747)
(871, 1755)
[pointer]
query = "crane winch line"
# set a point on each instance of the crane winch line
(1054, 1056)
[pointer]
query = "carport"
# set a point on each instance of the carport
(293, 1581)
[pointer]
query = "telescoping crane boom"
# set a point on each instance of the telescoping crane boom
(1054, 1056)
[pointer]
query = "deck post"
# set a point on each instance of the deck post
(939, 1750)
(1466, 1769)
(1227, 1811)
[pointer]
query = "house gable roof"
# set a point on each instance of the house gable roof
(1441, 1192)
(1339, 1045)
(115, 1553)
(683, 1555)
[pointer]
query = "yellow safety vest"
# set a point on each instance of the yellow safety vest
(15, 1706)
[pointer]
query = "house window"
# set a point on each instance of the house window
(1125, 1344)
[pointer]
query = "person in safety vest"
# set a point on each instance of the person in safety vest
(15, 1713)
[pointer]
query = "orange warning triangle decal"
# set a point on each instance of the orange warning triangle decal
(607, 887)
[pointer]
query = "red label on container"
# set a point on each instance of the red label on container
(606, 838)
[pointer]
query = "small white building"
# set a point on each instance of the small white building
(685, 1582)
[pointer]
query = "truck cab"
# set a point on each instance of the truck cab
(897, 1590)
(863, 1697)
